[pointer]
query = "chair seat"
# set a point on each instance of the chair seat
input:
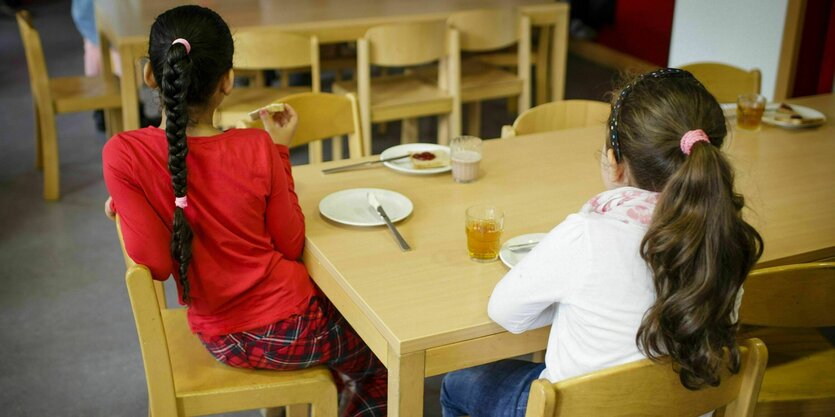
(72, 94)
(238, 104)
(401, 97)
(206, 386)
(480, 81)
(800, 377)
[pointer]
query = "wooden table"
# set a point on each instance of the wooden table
(125, 25)
(423, 312)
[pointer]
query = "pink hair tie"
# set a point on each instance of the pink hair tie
(184, 43)
(690, 138)
(181, 202)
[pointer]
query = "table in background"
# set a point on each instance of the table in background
(125, 25)
(424, 312)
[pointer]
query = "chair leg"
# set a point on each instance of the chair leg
(542, 65)
(409, 131)
(51, 190)
(538, 357)
(271, 412)
(512, 105)
(297, 410)
(38, 141)
(336, 148)
(113, 121)
(474, 118)
(444, 129)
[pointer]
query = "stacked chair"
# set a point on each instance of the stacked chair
(558, 115)
(326, 116)
(651, 389)
(51, 96)
(787, 307)
(406, 96)
(725, 82)
(259, 50)
(185, 380)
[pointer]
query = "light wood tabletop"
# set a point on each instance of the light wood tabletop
(423, 312)
(125, 25)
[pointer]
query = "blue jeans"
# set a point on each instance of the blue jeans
(498, 389)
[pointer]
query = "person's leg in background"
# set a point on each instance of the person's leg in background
(498, 389)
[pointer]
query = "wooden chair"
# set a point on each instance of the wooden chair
(185, 380)
(647, 388)
(61, 95)
(486, 31)
(322, 116)
(792, 302)
(257, 50)
(724, 81)
(539, 54)
(558, 115)
(407, 96)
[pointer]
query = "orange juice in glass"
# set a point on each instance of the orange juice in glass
(749, 111)
(484, 231)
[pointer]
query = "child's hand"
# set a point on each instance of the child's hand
(282, 125)
(108, 208)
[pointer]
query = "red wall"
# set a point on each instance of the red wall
(642, 29)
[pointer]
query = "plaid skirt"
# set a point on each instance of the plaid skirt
(318, 336)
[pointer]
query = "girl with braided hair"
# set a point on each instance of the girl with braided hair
(218, 211)
(652, 267)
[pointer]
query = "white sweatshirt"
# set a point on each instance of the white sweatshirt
(586, 279)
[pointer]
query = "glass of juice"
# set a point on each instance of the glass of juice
(749, 111)
(484, 231)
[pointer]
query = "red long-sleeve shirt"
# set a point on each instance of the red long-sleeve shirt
(242, 207)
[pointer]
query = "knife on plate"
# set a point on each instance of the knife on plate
(372, 200)
(361, 164)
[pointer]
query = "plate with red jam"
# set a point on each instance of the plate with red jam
(424, 158)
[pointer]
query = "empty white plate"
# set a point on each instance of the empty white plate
(511, 258)
(351, 206)
(405, 164)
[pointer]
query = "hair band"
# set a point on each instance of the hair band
(184, 43)
(181, 202)
(616, 107)
(690, 138)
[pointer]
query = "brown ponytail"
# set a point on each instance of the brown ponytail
(187, 80)
(698, 246)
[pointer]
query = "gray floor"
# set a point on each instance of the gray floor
(69, 344)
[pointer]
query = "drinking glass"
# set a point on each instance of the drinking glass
(484, 231)
(749, 111)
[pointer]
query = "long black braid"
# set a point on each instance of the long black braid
(187, 80)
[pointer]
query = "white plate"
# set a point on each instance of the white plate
(805, 112)
(405, 164)
(351, 207)
(510, 258)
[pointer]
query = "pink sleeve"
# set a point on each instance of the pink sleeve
(147, 239)
(285, 220)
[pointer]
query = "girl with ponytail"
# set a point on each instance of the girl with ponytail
(219, 212)
(652, 267)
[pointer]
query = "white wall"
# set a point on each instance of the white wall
(744, 33)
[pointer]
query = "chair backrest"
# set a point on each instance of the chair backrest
(323, 116)
(36, 63)
(647, 388)
(487, 29)
(801, 295)
(159, 289)
(259, 49)
(724, 81)
(558, 115)
(406, 44)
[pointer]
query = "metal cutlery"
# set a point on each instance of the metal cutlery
(523, 247)
(361, 164)
(372, 201)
